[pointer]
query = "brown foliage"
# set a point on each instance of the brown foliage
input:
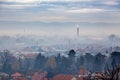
(16, 66)
(51, 62)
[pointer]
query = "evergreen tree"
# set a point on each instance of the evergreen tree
(88, 61)
(40, 61)
(115, 56)
(99, 62)
(72, 62)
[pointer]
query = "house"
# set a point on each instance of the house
(81, 78)
(20, 78)
(83, 71)
(16, 75)
(39, 76)
(97, 75)
(64, 77)
(69, 77)
(74, 78)
(29, 74)
(59, 77)
(82, 74)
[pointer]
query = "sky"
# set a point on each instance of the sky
(60, 17)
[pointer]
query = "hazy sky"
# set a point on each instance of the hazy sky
(60, 17)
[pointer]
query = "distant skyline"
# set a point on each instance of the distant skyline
(60, 17)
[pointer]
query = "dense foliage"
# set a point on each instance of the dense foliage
(56, 64)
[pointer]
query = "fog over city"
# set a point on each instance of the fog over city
(59, 39)
(59, 24)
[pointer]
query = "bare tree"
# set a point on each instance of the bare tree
(111, 73)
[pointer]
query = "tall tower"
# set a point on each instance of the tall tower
(77, 31)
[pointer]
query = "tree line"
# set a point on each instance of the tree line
(56, 64)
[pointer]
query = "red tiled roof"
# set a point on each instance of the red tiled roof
(31, 55)
(81, 78)
(63, 77)
(16, 75)
(20, 79)
(68, 77)
(59, 77)
(39, 76)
